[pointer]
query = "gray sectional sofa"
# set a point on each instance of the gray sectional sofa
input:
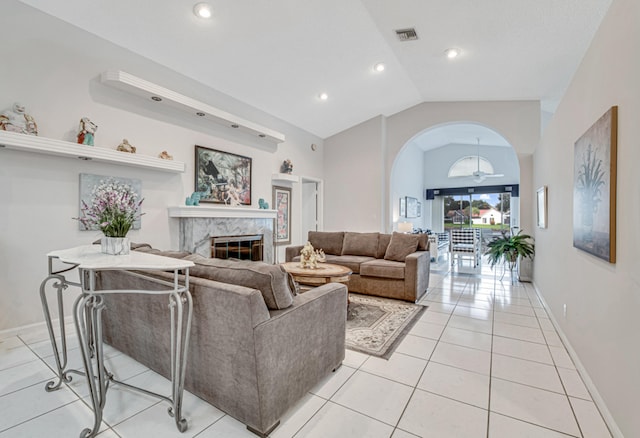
(256, 347)
(388, 265)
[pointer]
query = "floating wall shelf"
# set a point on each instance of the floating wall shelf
(279, 178)
(61, 148)
(199, 110)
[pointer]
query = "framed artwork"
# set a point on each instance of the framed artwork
(282, 205)
(403, 208)
(419, 209)
(222, 177)
(594, 188)
(541, 204)
(88, 182)
(412, 207)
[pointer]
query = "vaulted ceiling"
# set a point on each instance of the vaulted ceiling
(279, 55)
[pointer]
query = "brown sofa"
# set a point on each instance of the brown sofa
(256, 348)
(387, 265)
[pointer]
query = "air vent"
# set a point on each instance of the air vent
(407, 34)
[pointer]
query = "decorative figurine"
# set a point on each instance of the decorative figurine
(287, 166)
(87, 131)
(165, 155)
(16, 119)
(309, 258)
(126, 147)
(262, 204)
(195, 197)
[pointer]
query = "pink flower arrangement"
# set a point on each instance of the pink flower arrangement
(114, 208)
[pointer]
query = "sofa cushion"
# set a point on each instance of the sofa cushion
(173, 254)
(383, 243)
(383, 269)
(401, 246)
(329, 242)
(423, 242)
(349, 261)
(271, 280)
(362, 244)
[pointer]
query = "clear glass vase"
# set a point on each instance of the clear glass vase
(115, 245)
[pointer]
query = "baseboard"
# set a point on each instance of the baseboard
(595, 395)
(31, 328)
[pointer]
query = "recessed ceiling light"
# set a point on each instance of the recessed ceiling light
(379, 67)
(202, 10)
(323, 96)
(156, 99)
(452, 52)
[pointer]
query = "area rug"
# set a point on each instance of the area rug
(377, 325)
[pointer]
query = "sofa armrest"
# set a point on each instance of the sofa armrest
(416, 277)
(298, 346)
(291, 252)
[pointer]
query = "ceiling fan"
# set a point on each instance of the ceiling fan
(480, 175)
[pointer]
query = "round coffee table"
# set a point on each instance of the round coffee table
(324, 273)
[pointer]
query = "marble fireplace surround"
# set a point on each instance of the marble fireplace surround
(198, 224)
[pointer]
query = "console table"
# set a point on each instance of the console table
(87, 310)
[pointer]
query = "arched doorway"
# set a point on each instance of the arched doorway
(441, 158)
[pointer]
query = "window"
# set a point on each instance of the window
(465, 166)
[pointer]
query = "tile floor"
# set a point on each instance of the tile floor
(483, 361)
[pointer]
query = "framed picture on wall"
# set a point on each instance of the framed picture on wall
(594, 188)
(222, 177)
(403, 208)
(541, 203)
(412, 207)
(282, 205)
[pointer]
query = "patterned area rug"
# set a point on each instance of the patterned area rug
(376, 325)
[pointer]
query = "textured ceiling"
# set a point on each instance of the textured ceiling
(278, 55)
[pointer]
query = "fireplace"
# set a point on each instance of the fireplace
(197, 225)
(246, 247)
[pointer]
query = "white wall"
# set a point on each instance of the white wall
(408, 180)
(359, 161)
(353, 182)
(54, 70)
(602, 299)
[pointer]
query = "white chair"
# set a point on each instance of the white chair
(465, 242)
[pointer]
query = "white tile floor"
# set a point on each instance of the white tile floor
(483, 361)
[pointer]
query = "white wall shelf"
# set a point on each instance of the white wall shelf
(279, 178)
(61, 148)
(199, 110)
(206, 211)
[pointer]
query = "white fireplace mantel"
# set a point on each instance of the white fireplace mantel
(202, 211)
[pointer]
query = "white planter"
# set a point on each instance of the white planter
(115, 245)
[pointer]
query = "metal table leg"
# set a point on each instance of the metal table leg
(179, 347)
(88, 318)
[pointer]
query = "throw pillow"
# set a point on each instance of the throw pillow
(271, 280)
(329, 242)
(401, 246)
(361, 244)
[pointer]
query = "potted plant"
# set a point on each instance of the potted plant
(509, 248)
(113, 210)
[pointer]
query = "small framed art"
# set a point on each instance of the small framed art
(282, 205)
(541, 203)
